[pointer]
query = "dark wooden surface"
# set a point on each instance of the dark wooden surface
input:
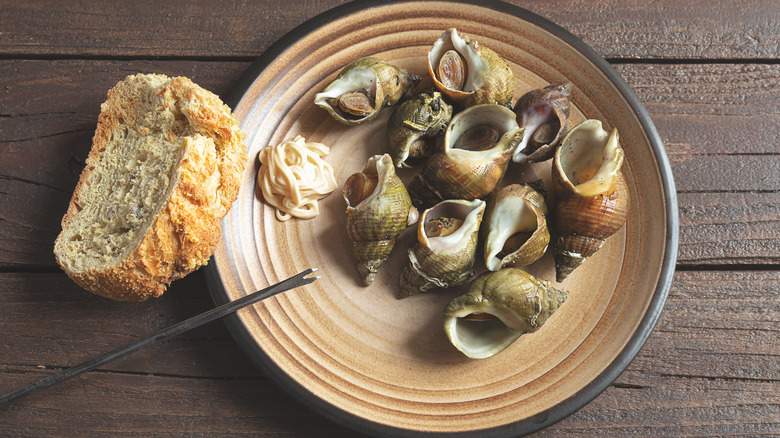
(707, 72)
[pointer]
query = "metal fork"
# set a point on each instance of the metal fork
(174, 330)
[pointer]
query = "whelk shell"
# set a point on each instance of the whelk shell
(422, 116)
(497, 309)
(363, 88)
(446, 247)
(543, 113)
(469, 73)
(591, 197)
(378, 211)
(478, 144)
(515, 227)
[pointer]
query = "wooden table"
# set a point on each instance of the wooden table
(708, 73)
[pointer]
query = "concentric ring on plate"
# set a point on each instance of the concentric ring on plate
(383, 365)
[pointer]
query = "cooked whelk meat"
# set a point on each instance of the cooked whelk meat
(451, 71)
(469, 73)
(456, 173)
(356, 104)
(378, 211)
(363, 88)
(446, 247)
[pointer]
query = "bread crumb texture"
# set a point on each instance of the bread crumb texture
(165, 167)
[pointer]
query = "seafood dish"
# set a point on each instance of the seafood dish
(467, 136)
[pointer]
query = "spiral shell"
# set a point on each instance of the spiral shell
(422, 116)
(378, 211)
(469, 167)
(543, 113)
(469, 73)
(363, 88)
(497, 309)
(591, 197)
(515, 227)
(446, 247)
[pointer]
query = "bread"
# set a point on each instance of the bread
(165, 167)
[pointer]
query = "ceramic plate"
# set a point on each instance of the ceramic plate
(383, 365)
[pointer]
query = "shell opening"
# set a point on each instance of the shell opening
(460, 217)
(353, 96)
(590, 158)
(479, 316)
(475, 69)
(479, 339)
(364, 186)
(541, 126)
(514, 224)
(476, 127)
(496, 117)
(544, 114)
(478, 138)
(513, 243)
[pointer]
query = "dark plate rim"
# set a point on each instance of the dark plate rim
(557, 412)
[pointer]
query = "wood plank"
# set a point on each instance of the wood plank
(720, 125)
(47, 320)
(678, 407)
(729, 228)
(47, 116)
(707, 115)
(732, 89)
(111, 404)
(717, 325)
(670, 29)
(666, 29)
(107, 403)
(708, 369)
(148, 28)
(710, 109)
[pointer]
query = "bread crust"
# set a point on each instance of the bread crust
(186, 230)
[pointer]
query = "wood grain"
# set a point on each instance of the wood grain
(706, 71)
(667, 29)
(719, 142)
(48, 114)
(715, 227)
(101, 404)
(708, 369)
(148, 28)
(80, 326)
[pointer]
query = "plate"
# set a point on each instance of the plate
(382, 365)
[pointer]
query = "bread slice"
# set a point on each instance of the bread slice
(165, 167)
